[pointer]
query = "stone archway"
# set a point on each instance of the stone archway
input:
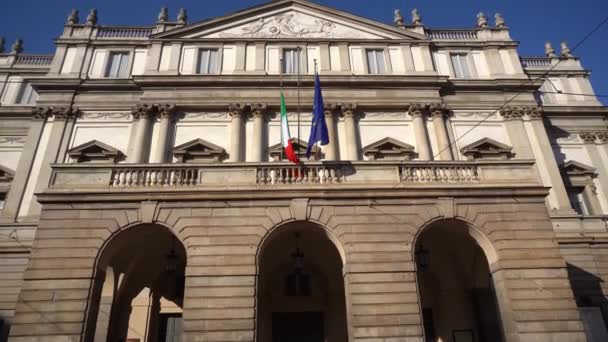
(300, 288)
(455, 284)
(138, 289)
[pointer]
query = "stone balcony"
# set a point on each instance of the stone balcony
(149, 178)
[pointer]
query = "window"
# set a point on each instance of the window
(291, 61)
(578, 201)
(207, 61)
(117, 65)
(170, 328)
(460, 65)
(26, 95)
(2, 202)
(375, 61)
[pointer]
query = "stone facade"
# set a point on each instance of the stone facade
(145, 194)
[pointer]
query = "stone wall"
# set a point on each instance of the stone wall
(376, 236)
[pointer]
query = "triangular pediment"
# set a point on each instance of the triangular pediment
(276, 151)
(6, 174)
(290, 19)
(199, 151)
(95, 151)
(574, 168)
(487, 148)
(389, 148)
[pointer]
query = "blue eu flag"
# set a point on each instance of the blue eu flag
(318, 130)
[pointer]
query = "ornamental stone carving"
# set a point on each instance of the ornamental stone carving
(17, 46)
(588, 137)
(417, 109)
(182, 16)
(95, 152)
(482, 20)
(92, 17)
(566, 52)
(416, 18)
(64, 113)
(512, 113)
(534, 113)
(398, 18)
(258, 110)
(487, 149)
(163, 15)
(349, 110)
(549, 50)
(389, 149)
(602, 136)
(438, 109)
(236, 109)
(144, 111)
(199, 151)
(73, 18)
(6, 177)
(499, 20)
(330, 109)
(41, 113)
(284, 26)
(167, 110)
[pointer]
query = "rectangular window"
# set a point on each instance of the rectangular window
(170, 328)
(375, 61)
(208, 62)
(117, 65)
(460, 65)
(291, 61)
(2, 202)
(577, 199)
(26, 95)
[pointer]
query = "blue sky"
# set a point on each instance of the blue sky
(532, 22)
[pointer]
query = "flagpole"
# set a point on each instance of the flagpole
(281, 91)
(317, 152)
(299, 63)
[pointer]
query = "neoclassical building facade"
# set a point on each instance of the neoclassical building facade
(145, 195)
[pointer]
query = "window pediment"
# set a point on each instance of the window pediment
(6, 177)
(389, 149)
(576, 169)
(95, 152)
(487, 148)
(276, 151)
(199, 151)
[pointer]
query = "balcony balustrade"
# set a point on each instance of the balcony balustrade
(168, 177)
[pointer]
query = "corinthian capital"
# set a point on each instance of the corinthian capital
(330, 109)
(512, 113)
(63, 113)
(602, 136)
(438, 109)
(417, 109)
(588, 137)
(236, 109)
(534, 113)
(167, 111)
(258, 110)
(349, 110)
(144, 111)
(41, 113)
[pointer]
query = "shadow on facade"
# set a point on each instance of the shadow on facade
(590, 299)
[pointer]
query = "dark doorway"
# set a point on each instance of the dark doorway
(297, 327)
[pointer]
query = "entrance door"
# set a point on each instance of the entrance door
(297, 327)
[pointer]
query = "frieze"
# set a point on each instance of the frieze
(12, 140)
(105, 116)
(386, 115)
(475, 116)
(205, 115)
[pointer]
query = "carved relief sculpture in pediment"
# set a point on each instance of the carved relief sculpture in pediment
(277, 154)
(389, 149)
(95, 152)
(199, 151)
(487, 148)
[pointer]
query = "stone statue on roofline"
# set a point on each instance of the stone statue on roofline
(499, 20)
(182, 16)
(398, 19)
(416, 18)
(73, 18)
(566, 52)
(163, 15)
(482, 20)
(17, 46)
(92, 17)
(549, 50)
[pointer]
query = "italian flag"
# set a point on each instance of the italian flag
(285, 136)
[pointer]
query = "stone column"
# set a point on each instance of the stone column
(236, 132)
(63, 115)
(514, 124)
(349, 112)
(416, 111)
(258, 113)
(438, 112)
(590, 139)
(332, 151)
(166, 113)
(143, 115)
(26, 161)
(545, 159)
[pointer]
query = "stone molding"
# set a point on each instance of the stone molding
(389, 149)
(95, 152)
(487, 149)
(145, 110)
(199, 151)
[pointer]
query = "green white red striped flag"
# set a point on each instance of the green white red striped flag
(285, 136)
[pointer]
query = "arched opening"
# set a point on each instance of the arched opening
(300, 286)
(455, 284)
(139, 287)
